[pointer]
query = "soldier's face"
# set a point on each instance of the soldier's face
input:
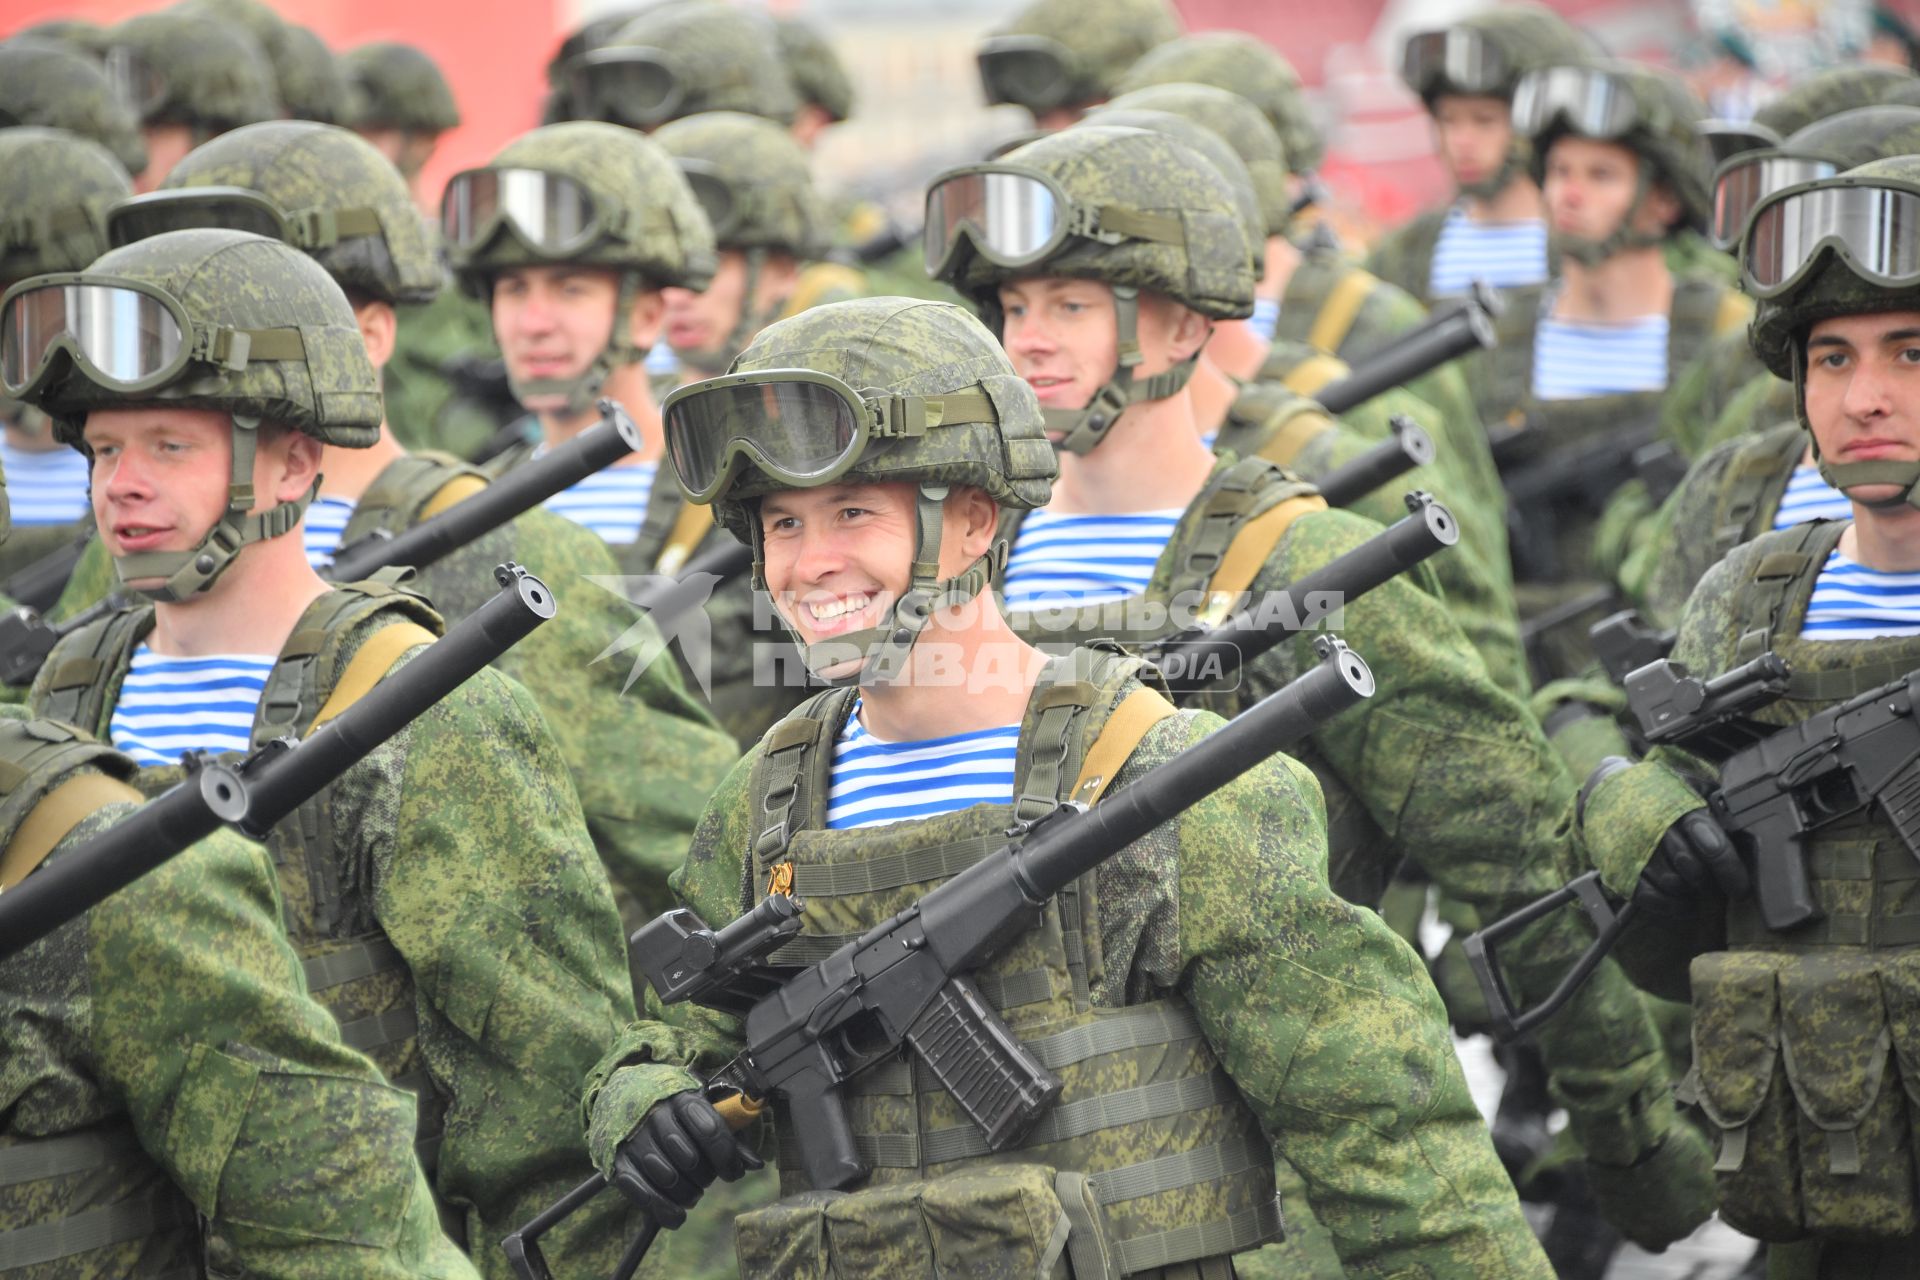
(554, 321)
(697, 322)
(1063, 337)
(1473, 134)
(159, 475)
(1589, 186)
(1863, 391)
(167, 145)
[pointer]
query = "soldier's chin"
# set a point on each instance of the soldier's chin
(836, 659)
(1878, 497)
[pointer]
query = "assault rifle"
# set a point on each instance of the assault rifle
(259, 791)
(1387, 461)
(1462, 328)
(26, 639)
(1775, 785)
(1624, 643)
(907, 984)
(1203, 654)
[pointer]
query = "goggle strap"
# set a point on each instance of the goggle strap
(1112, 224)
(320, 228)
(234, 349)
(901, 416)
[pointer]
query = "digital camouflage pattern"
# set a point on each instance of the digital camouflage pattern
(78, 34)
(56, 88)
(229, 279)
(815, 69)
(460, 844)
(724, 58)
(309, 83)
(397, 86)
(664, 235)
(1241, 64)
(1826, 93)
(445, 385)
(1208, 146)
(1240, 125)
(766, 173)
(1101, 38)
(60, 185)
(174, 1013)
(301, 166)
(216, 76)
(1411, 1188)
(1210, 270)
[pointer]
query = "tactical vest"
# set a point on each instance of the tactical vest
(1405, 258)
(1323, 300)
(66, 1195)
(410, 490)
(1271, 421)
(1805, 1043)
(351, 967)
(1752, 486)
(1149, 1160)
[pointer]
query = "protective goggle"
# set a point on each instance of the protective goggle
(1874, 229)
(798, 426)
(552, 213)
(1016, 217)
(121, 334)
(1592, 102)
(135, 81)
(236, 209)
(1730, 138)
(1028, 71)
(1744, 181)
(628, 85)
(1457, 60)
(724, 209)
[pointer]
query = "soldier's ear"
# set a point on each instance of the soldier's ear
(972, 519)
(1189, 332)
(648, 317)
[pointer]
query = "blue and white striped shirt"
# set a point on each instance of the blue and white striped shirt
(1085, 559)
(1504, 254)
(170, 706)
(877, 782)
(325, 524)
(612, 502)
(661, 361)
(1573, 360)
(1809, 497)
(46, 488)
(1265, 319)
(1853, 602)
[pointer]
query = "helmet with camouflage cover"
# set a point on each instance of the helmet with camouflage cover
(1518, 38)
(1058, 54)
(884, 349)
(310, 82)
(682, 59)
(1209, 146)
(264, 335)
(396, 86)
(1240, 125)
(180, 68)
(818, 75)
(1830, 286)
(56, 88)
(1186, 238)
(342, 203)
(81, 36)
(1663, 132)
(55, 188)
(650, 229)
(588, 36)
(1242, 64)
(1837, 89)
(1858, 136)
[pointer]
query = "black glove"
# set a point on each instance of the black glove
(675, 1154)
(1695, 860)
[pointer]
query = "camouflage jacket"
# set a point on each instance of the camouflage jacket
(1404, 256)
(161, 1057)
(1293, 989)
(445, 899)
(643, 758)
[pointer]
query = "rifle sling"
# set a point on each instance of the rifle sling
(1126, 726)
(58, 813)
(371, 665)
(689, 527)
(454, 491)
(1253, 545)
(1341, 309)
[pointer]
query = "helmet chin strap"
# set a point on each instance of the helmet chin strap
(1085, 428)
(718, 358)
(186, 573)
(1847, 476)
(883, 651)
(583, 388)
(1492, 185)
(1591, 253)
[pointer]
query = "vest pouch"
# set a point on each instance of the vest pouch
(1738, 1083)
(788, 1239)
(1091, 1249)
(1856, 1159)
(1900, 989)
(996, 1220)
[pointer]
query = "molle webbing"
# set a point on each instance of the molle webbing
(412, 489)
(83, 674)
(1779, 589)
(1756, 479)
(1881, 873)
(25, 1160)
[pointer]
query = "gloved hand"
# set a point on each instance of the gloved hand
(675, 1154)
(1663, 1196)
(1694, 860)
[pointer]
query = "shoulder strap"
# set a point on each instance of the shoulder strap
(1783, 571)
(1274, 421)
(691, 523)
(78, 672)
(60, 812)
(411, 489)
(303, 680)
(1341, 308)
(789, 778)
(823, 282)
(1315, 372)
(36, 812)
(1254, 504)
(1137, 713)
(1760, 467)
(370, 666)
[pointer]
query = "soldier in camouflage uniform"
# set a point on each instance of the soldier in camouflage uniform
(680, 60)
(443, 894)
(401, 104)
(1057, 58)
(576, 304)
(309, 81)
(1187, 960)
(818, 76)
(1465, 75)
(1436, 765)
(1803, 1035)
(67, 182)
(621, 739)
(55, 88)
(188, 78)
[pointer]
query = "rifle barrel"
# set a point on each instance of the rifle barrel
(1443, 338)
(1387, 461)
